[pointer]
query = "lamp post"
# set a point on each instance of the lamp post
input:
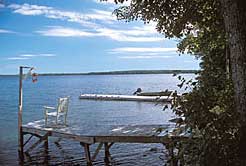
(20, 108)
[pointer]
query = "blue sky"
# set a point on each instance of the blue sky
(64, 36)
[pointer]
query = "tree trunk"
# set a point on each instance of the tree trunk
(235, 25)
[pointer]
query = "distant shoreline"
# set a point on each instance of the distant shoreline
(124, 72)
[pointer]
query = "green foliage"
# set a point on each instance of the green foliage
(175, 18)
(209, 109)
(210, 114)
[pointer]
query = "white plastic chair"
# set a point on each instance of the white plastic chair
(61, 110)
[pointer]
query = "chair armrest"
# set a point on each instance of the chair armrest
(51, 108)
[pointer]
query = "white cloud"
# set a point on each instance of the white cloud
(5, 31)
(84, 19)
(146, 33)
(18, 58)
(131, 35)
(27, 9)
(2, 5)
(117, 35)
(112, 2)
(47, 55)
(142, 50)
(65, 32)
(37, 55)
(29, 56)
(102, 15)
(137, 39)
(147, 28)
(145, 57)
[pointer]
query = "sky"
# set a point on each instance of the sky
(73, 36)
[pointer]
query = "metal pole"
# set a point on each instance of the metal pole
(20, 134)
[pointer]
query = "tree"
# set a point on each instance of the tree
(235, 24)
(221, 44)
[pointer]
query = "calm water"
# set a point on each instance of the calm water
(87, 114)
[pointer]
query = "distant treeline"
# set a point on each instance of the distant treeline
(129, 72)
(122, 72)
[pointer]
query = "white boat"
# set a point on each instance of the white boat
(126, 97)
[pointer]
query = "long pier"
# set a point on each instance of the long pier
(126, 98)
(162, 134)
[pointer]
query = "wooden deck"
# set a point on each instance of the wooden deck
(113, 134)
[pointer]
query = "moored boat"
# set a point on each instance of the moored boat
(161, 93)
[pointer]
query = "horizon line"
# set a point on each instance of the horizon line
(115, 72)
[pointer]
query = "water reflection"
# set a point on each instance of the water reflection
(71, 153)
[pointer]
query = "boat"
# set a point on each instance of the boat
(162, 93)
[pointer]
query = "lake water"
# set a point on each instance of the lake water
(87, 113)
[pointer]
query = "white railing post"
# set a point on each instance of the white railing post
(20, 110)
(20, 134)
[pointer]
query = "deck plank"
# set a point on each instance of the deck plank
(54, 133)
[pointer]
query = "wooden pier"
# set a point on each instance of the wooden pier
(115, 134)
(126, 98)
(163, 134)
